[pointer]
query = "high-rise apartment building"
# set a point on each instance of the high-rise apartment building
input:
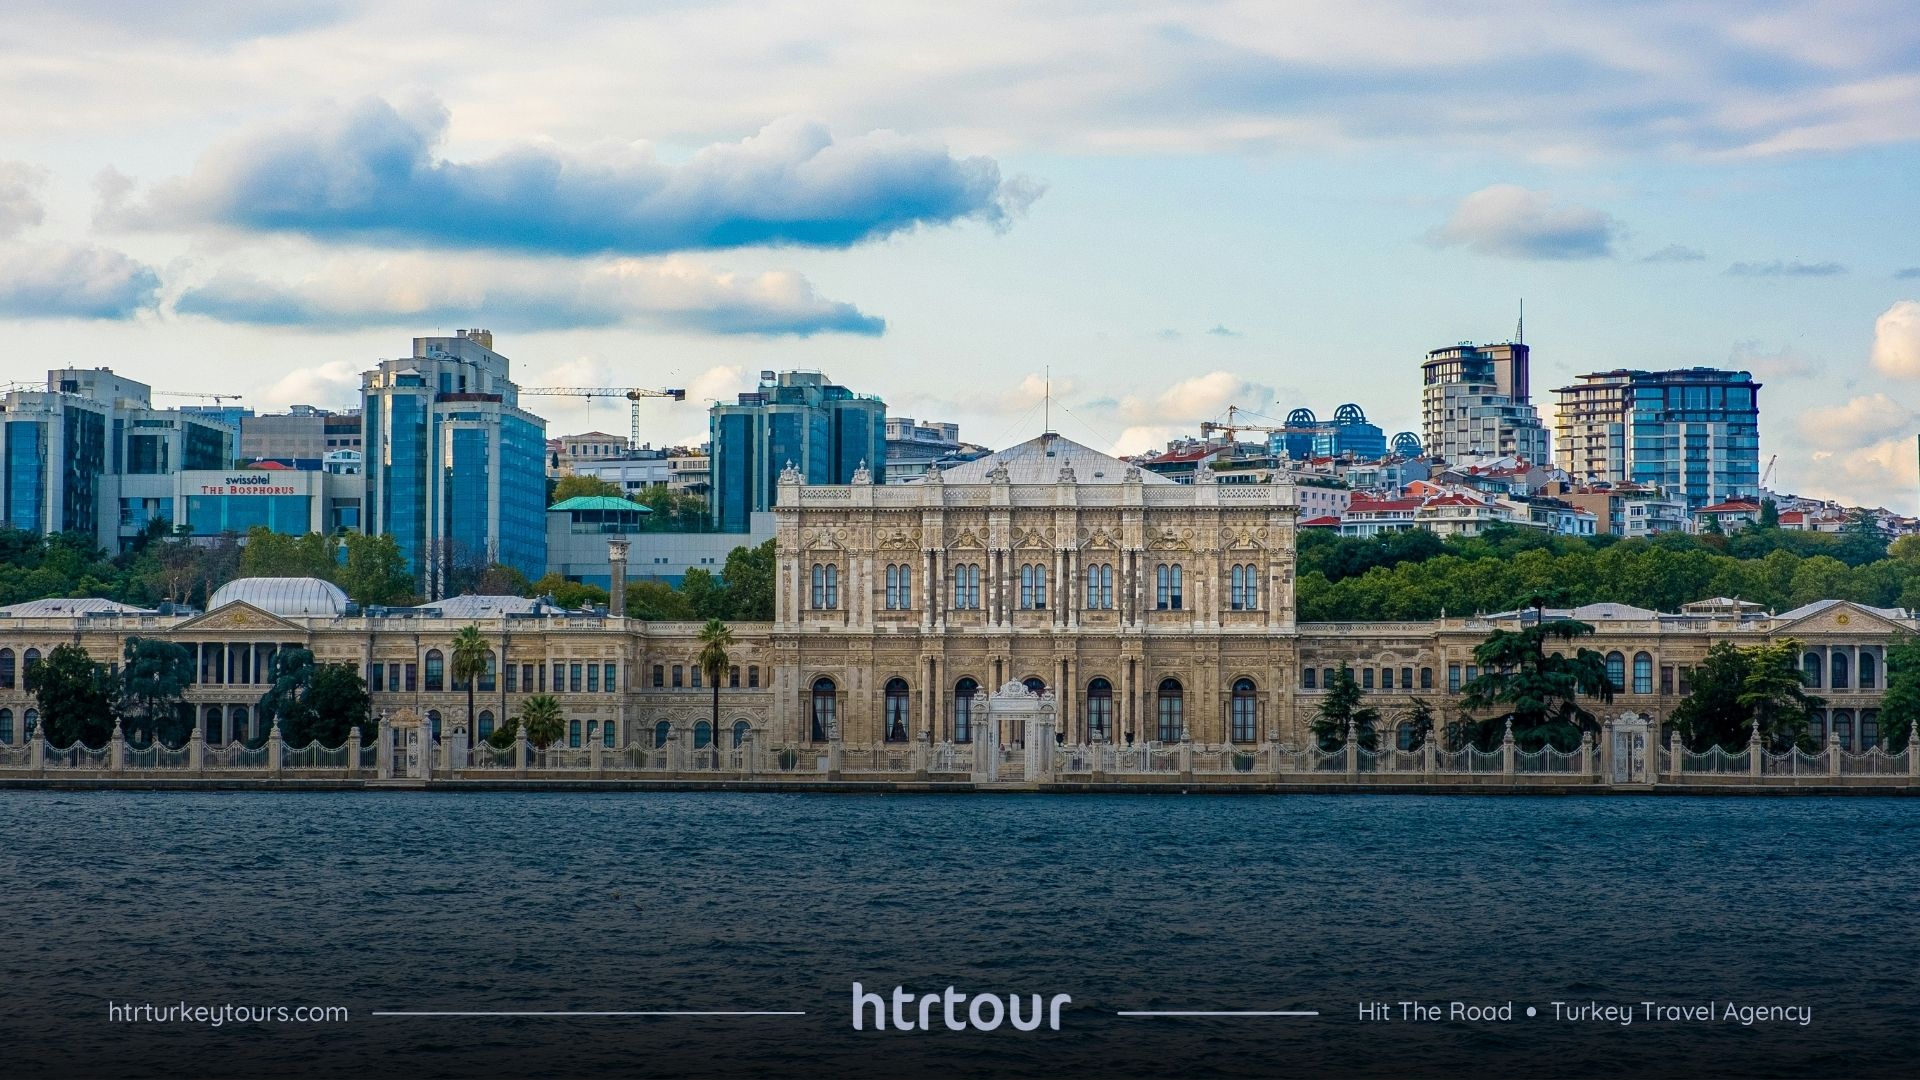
(825, 431)
(90, 454)
(1475, 404)
(455, 468)
(1693, 432)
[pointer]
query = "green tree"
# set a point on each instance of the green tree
(337, 701)
(1769, 515)
(705, 594)
(657, 601)
(1734, 686)
(541, 716)
(154, 676)
(1418, 718)
(715, 638)
(270, 554)
(500, 579)
(286, 700)
(576, 485)
(1861, 540)
(471, 658)
(376, 570)
(568, 594)
(749, 575)
(75, 695)
(1539, 693)
(1344, 705)
(1900, 708)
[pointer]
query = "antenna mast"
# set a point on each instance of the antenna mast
(1046, 413)
(1520, 328)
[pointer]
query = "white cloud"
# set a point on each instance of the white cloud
(1516, 222)
(1883, 473)
(1861, 419)
(1896, 340)
(334, 384)
(20, 205)
(73, 281)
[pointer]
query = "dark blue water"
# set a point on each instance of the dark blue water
(779, 902)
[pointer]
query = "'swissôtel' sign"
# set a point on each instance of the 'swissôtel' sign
(248, 485)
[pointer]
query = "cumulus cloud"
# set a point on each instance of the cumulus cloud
(1785, 362)
(1896, 340)
(1516, 222)
(350, 292)
(1675, 253)
(1870, 475)
(1786, 268)
(20, 206)
(371, 172)
(73, 281)
(321, 384)
(1867, 418)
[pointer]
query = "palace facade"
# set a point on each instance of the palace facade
(1150, 611)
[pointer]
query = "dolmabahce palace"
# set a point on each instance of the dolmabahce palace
(1145, 611)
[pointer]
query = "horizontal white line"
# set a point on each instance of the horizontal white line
(1199, 1012)
(683, 1012)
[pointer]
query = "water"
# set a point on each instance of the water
(558, 901)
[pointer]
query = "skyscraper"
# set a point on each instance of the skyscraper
(1475, 404)
(455, 468)
(827, 431)
(90, 454)
(1694, 432)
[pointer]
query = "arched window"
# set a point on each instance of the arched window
(1308, 680)
(486, 724)
(436, 670)
(824, 706)
(1035, 684)
(1404, 737)
(610, 734)
(593, 731)
(433, 723)
(1172, 711)
(826, 586)
(1245, 711)
(1839, 679)
(28, 661)
(237, 719)
(661, 731)
(896, 710)
(833, 586)
(1810, 669)
(487, 684)
(1100, 587)
(1238, 582)
(702, 735)
(740, 729)
(1426, 678)
(966, 587)
(29, 721)
(6, 726)
(1642, 673)
(1869, 724)
(1616, 671)
(1167, 580)
(963, 692)
(893, 588)
(1100, 710)
(1869, 673)
(1244, 591)
(1026, 587)
(1817, 728)
(899, 588)
(573, 734)
(1843, 728)
(6, 669)
(216, 733)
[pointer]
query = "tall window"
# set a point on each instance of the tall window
(1307, 680)
(573, 734)
(702, 735)
(1616, 671)
(963, 692)
(826, 586)
(1244, 591)
(1100, 710)
(1245, 708)
(6, 726)
(966, 587)
(436, 670)
(1868, 674)
(1839, 680)
(28, 661)
(6, 669)
(661, 731)
(896, 710)
(1426, 678)
(1869, 726)
(486, 723)
(487, 684)
(1100, 587)
(740, 729)
(899, 588)
(824, 705)
(1810, 669)
(610, 734)
(1642, 673)
(1167, 581)
(1033, 587)
(1172, 711)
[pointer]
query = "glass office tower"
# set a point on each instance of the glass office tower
(825, 430)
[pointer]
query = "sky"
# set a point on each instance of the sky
(1168, 208)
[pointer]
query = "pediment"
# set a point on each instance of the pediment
(238, 615)
(1842, 618)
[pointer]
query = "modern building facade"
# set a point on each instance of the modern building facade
(824, 430)
(455, 467)
(1476, 404)
(915, 446)
(91, 454)
(301, 437)
(1693, 432)
(1348, 434)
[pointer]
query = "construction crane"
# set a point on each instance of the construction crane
(215, 398)
(1233, 426)
(1768, 474)
(633, 394)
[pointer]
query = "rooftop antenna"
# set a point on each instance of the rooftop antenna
(1046, 413)
(1520, 328)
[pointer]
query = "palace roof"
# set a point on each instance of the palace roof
(1038, 461)
(287, 596)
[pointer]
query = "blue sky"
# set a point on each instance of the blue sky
(1175, 207)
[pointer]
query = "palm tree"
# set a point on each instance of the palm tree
(540, 715)
(714, 639)
(470, 655)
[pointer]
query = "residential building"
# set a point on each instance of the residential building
(1625, 509)
(1728, 516)
(633, 471)
(456, 470)
(91, 454)
(690, 472)
(1693, 432)
(825, 431)
(1475, 404)
(914, 446)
